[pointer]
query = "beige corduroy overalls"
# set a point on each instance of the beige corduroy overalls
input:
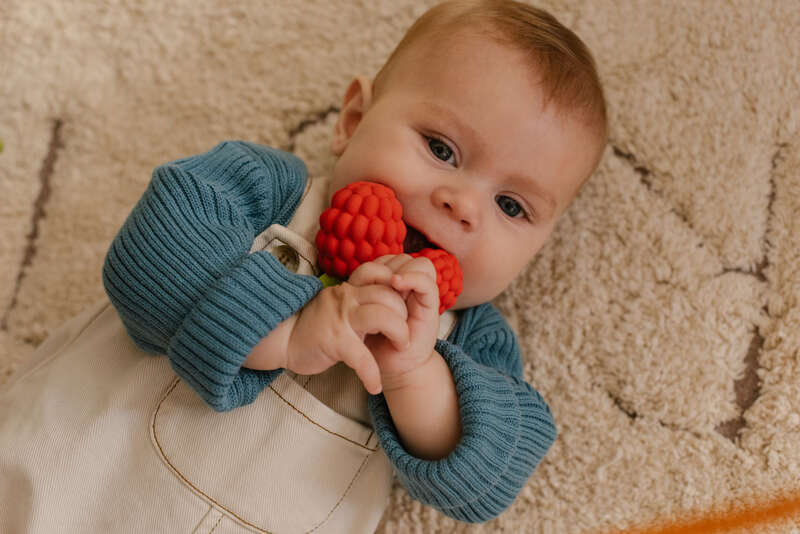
(97, 436)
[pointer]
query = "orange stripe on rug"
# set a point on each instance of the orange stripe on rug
(731, 519)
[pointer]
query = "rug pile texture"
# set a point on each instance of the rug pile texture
(662, 319)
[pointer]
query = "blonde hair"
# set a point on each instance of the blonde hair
(568, 74)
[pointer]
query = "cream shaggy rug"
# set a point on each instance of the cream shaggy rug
(661, 321)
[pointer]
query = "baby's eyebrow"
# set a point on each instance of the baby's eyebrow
(451, 117)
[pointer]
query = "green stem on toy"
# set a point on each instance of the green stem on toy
(328, 280)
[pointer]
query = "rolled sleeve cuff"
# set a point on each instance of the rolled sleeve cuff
(243, 307)
(506, 430)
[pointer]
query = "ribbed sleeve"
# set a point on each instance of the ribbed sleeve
(182, 279)
(506, 425)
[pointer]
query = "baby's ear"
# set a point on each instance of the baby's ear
(357, 100)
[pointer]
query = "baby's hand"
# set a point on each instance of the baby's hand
(332, 327)
(414, 279)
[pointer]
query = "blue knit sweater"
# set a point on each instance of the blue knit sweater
(184, 283)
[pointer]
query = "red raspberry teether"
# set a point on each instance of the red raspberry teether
(365, 222)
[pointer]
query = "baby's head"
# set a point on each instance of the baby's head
(485, 121)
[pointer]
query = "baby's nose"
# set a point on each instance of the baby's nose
(460, 204)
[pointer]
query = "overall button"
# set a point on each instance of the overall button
(287, 256)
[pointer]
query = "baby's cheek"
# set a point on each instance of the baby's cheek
(481, 287)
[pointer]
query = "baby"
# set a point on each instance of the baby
(485, 121)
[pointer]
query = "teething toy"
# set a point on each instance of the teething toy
(365, 222)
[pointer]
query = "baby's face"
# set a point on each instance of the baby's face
(482, 170)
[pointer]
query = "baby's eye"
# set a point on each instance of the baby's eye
(441, 150)
(510, 207)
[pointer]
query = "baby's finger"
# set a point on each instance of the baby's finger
(377, 319)
(371, 272)
(421, 283)
(382, 295)
(358, 358)
(396, 261)
(418, 264)
(386, 258)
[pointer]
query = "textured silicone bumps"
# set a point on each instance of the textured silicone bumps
(365, 222)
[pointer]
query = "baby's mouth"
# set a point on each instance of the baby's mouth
(415, 241)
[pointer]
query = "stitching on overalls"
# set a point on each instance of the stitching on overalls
(180, 475)
(335, 506)
(295, 408)
(216, 525)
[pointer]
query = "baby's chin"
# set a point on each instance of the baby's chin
(475, 294)
(468, 300)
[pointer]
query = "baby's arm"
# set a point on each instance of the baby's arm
(424, 409)
(417, 384)
(506, 425)
(182, 279)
